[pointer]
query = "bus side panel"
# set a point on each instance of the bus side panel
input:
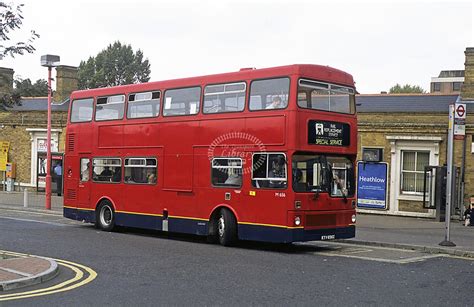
(269, 130)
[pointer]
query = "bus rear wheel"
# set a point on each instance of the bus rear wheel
(105, 216)
(226, 228)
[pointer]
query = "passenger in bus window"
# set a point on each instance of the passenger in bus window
(85, 172)
(117, 176)
(106, 172)
(276, 103)
(234, 179)
(277, 171)
(299, 184)
(151, 178)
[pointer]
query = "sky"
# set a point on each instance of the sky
(380, 43)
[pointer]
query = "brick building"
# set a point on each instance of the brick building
(412, 132)
(24, 126)
(406, 128)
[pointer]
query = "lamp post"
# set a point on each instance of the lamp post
(49, 61)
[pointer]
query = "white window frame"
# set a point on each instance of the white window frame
(411, 171)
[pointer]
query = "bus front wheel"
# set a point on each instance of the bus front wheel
(105, 216)
(226, 228)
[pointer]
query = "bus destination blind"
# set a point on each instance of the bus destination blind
(328, 133)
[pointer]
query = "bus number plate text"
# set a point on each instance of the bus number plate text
(328, 237)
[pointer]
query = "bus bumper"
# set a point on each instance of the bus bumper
(288, 235)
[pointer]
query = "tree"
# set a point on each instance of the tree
(11, 19)
(116, 65)
(25, 88)
(406, 89)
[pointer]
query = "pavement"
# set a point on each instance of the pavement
(420, 234)
(17, 270)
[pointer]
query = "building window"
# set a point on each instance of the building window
(140, 170)
(107, 169)
(109, 108)
(142, 105)
(269, 94)
(224, 98)
(457, 86)
(412, 172)
(269, 171)
(227, 172)
(436, 87)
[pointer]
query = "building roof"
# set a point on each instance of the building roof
(39, 104)
(451, 74)
(379, 103)
(406, 103)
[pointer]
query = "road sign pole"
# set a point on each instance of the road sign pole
(449, 179)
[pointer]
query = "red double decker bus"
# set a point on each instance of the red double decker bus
(258, 154)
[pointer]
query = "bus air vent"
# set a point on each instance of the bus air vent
(71, 141)
(71, 194)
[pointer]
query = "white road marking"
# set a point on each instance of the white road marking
(34, 221)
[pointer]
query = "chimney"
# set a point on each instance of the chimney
(6, 81)
(467, 89)
(66, 82)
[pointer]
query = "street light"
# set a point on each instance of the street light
(49, 61)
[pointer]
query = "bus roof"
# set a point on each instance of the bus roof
(317, 72)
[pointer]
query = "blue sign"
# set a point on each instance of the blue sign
(372, 185)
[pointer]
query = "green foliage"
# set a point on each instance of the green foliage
(25, 88)
(406, 89)
(116, 65)
(11, 19)
(8, 101)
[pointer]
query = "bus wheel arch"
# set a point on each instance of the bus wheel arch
(105, 215)
(223, 226)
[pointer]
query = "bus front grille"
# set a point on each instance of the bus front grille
(319, 220)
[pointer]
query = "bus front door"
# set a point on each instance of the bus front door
(84, 186)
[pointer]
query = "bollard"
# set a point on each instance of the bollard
(25, 198)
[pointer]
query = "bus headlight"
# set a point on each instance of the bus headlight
(353, 218)
(297, 221)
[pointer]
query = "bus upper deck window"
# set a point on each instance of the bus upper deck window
(183, 101)
(81, 110)
(141, 105)
(222, 98)
(109, 108)
(269, 94)
(325, 97)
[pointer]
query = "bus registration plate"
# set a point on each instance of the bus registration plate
(328, 237)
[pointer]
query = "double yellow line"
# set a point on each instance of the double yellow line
(70, 284)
